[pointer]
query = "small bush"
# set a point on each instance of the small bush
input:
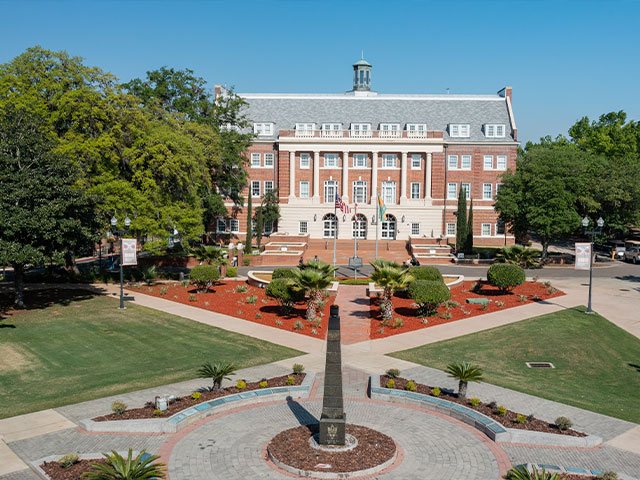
(118, 407)
(298, 368)
(69, 459)
(521, 418)
(252, 299)
(290, 380)
(475, 288)
(246, 262)
(241, 385)
(157, 412)
(435, 392)
(411, 386)
(284, 293)
(163, 290)
(184, 283)
(279, 322)
(492, 405)
(391, 383)
(445, 315)
(203, 276)
(563, 423)
(397, 323)
(393, 373)
(608, 476)
(474, 402)
(282, 273)
(258, 315)
(501, 411)
(426, 273)
(484, 306)
(195, 396)
(500, 304)
(424, 321)
(451, 304)
(192, 297)
(263, 383)
(381, 330)
(551, 291)
(232, 271)
(530, 417)
(547, 284)
(505, 276)
(314, 331)
(241, 288)
(321, 305)
(298, 325)
(522, 298)
(429, 295)
(535, 298)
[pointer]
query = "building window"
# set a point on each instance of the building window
(268, 186)
(221, 225)
(501, 162)
(330, 191)
(304, 189)
(416, 130)
(303, 226)
(486, 230)
(268, 228)
(361, 127)
(416, 162)
(488, 162)
(234, 225)
(255, 188)
(305, 160)
(255, 159)
(389, 127)
(494, 131)
(389, 192)
(466, 162)
(467, 189)
(388, 227)
(500, 230)
(359, 226)
(306, 126)
(360, 191)
(415, 229)
(332, 126)
(268, 159)
(330, 159)
(453, 162)
(329, 223)
(359, 160)
(452, 191)
(451, 229)
(263, 129)
(458, 130)
(389, 160)
(498, 187)
(415, 190)
(487, 191)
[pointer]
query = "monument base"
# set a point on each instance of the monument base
(332, 431)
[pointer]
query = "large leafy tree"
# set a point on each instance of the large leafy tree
(611, 135)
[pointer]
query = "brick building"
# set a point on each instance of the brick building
(416, 151)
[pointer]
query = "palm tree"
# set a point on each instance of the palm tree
(209, 254)
(519, 255)
(217, 372)
(391, 277)
(313, 278)
(118, 468)
(522, 473)
(464, 372)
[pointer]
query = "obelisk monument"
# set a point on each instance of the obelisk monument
(333, 419)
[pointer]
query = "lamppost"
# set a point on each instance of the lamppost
(121, 233)
(593, 233)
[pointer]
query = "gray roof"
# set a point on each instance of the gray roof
(436, 111)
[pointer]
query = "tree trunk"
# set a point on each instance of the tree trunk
(311, 310)
(217, 384)
(545, 250)
(70, 263)
(18, 273)
(462, 389)
(387, 304)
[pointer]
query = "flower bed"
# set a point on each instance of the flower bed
(507, 420)
(182, 403)
(56, 472)
(408, 314)
(224, 297)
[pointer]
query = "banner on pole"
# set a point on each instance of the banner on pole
(129, 246)
(583, 256)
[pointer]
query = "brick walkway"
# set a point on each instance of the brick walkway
(355, 320)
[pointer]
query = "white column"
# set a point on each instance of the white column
(403, 179)
(292, 175)
(427, 177)
(316, 177)
(345, 177)
(374, 178)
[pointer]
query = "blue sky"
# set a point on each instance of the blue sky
(564, 59)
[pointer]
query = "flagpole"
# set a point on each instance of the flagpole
(377, 222)
(355, 240)
(335, 231)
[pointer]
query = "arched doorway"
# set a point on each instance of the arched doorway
(359, 226)
(329, 225)
(389, 227)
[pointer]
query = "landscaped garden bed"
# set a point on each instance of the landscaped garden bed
(55, 471)
(406, 316)
(182, 403)
(508, 420)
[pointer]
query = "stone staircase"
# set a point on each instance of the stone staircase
(395, 250)
(431, 250)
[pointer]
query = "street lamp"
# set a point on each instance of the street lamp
(593, 233)
(121, 233)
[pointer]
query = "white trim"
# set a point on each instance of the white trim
(449, 158)
(484, 162)
(455, 196)
(506, 160)
(236, 222)
(258, 157)
(462, 157)
(377, 96)
(482, 234)
(264, 189)
(273, 160)
(389, 156)
(333, 156)
(306, 226)
(490, 197)
(360, 155)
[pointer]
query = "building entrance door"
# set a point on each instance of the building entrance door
(389, 228)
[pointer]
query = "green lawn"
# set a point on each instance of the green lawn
(85, 348)
(597, 363)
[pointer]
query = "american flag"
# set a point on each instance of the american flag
(344, 208)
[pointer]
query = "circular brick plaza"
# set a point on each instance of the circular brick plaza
(232, 445)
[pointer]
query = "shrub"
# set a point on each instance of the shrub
(203, 276)
(192, 297)
(521, 418)
(424, 321)
(149, 274)
(397, 323)
(263, 383)
(381, 330)
(321, 305)
(196, 396)
(285, 294)
(451, 304)
(563, 423)
(69, 459)
(282, 273)
(393, 373)
(391, 383)
(258, 315)
(435, 392)
(428, 294)
(475, 288)
(445, 315)
(118, 467)
(298, 325)
(522, 298)
(290, 380)
(216, 372)
(163, 290)
(298, 368)
(232, 271)
(184, 283)
(241, 385)
(474, 402)
(426, 273)
(411, 386)
(246, 262)
(500, 304)
(118, 407)
(278, 322)
(530, 417)
(252, 299)
(157, 412)
(241, 288)
(314, 331)
(521, 472)
(501, 411)
(505, 276)
(492, 405)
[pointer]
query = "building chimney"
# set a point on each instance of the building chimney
(506, 92)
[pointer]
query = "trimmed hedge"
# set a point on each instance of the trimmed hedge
(232, 271)
(282, 273)
(505, 276)
(426, 273)
(284, 293)
(203, 276)
(429, 295)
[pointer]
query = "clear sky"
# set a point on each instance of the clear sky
(564, 59)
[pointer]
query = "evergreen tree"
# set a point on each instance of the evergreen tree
(461, 223)
(259, 226)
(249, 240)
(468, 244)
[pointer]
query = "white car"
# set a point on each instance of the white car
(632, 254)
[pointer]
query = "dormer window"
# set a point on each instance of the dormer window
(390, 130)
(458, 130)
(416, 130)
(263, 129)
(360, 129)
(305, 129)
(494, 130)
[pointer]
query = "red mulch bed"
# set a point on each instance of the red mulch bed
(225, 298)
(292, 448)
(403, 308)
(508, 420)
(182, 403)
(74, 472)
